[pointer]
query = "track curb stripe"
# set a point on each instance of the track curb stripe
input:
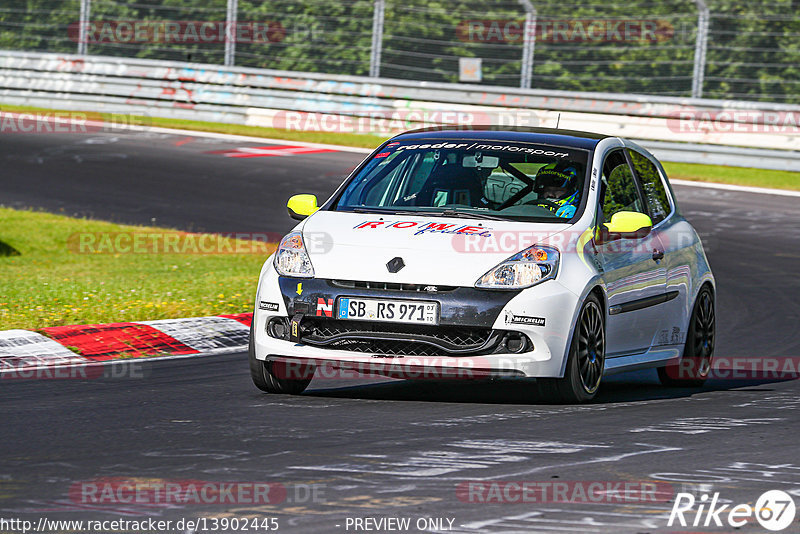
(244, 318)
(84, 344)
(23, 349)
(210, 335)
(100, 342)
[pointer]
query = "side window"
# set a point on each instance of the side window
(653, 187)
(620, 191)
(376, 192)
(419, 173)
(376, 195)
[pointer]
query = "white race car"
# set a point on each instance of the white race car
(487, 253)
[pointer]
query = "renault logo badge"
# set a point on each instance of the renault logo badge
(395, 264)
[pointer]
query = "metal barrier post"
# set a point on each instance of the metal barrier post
(528, 44)
(83, 28)
(377, 39)
(701, 44)
(230, 32)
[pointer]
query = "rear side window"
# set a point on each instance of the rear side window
(654, 193)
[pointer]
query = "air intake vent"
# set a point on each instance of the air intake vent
(391, 286)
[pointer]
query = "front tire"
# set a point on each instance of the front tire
(585, 361)
(270, 376)
(693, 368)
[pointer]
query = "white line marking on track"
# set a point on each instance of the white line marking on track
(737, 188)
(701, 425)
(232, 137)
(601, 459)
(479, 454)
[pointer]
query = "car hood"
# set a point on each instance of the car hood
(434, 250)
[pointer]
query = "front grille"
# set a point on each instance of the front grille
(384, 346)
(398, 339)
(391, 286)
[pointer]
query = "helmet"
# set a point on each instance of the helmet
(562, 175)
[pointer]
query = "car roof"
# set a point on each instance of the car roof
(547, 136)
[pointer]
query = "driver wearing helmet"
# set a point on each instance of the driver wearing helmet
(558, 183)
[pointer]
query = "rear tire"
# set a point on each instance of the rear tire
(694, 366)
(267, 375)
(585, 361)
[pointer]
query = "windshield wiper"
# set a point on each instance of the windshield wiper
(443, 213)
(466, 215)
(384, 210)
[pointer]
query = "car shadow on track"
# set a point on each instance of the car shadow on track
(638, 386)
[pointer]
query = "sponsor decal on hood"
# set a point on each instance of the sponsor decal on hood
(420, 228)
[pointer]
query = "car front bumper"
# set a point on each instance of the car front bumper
(544, 314)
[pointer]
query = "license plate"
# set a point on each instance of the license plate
(388, 310)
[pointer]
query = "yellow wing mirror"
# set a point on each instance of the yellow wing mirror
(301, 206)
(627, 225)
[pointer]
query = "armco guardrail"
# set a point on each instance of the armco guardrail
(258, 97)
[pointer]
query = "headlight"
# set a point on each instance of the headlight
(291, 258)
(523, 269)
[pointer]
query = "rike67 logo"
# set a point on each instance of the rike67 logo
(774, 510)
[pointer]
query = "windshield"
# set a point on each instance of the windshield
(486, 178)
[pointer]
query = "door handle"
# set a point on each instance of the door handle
(658, 255)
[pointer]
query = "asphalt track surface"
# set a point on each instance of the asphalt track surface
(382, 448)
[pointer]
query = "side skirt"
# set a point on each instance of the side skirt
(654, 358)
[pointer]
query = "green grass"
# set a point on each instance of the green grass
(49, 279)
(684, 171)
(733, 175)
